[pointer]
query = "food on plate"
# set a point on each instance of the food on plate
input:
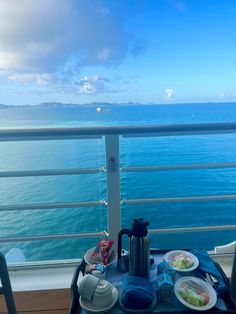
(193, 295)
(182, 261)
(102, 252)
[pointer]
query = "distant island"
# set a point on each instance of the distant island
(51, 105)
(64, 105)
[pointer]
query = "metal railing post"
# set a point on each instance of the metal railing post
(233, 278)
(113, 185)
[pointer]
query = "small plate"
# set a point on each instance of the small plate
(196, 289)
(90, 308)
(169, 257)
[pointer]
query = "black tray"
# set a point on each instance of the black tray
(75, 307)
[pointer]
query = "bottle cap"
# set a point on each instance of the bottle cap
(139, 227)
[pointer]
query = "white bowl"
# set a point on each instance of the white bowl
(170, 256)
(89, 307)
(111, 260)
(186, 286)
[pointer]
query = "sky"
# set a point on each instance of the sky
(119, 51)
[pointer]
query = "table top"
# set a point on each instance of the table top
(116, 278)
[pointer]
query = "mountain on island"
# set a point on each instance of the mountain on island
(59, 105)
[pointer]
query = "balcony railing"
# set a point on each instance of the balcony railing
(113, 170)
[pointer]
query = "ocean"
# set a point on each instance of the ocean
(90, 153)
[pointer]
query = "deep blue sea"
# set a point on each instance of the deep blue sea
(90, 153)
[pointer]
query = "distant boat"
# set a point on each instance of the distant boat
(99, 109)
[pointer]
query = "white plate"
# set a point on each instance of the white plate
(90, 308)
(197, 284)
(168, 257)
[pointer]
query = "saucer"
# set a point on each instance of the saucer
(91, 308)
(147, 310)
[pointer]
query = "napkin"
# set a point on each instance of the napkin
(207, 265)
(137, 292)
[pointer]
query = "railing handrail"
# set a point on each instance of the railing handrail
(52, 133)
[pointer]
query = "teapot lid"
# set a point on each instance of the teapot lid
(139, 227)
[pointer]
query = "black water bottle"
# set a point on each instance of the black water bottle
(139, 258)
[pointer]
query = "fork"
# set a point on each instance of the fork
(211, 280)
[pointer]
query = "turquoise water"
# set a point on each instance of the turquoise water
(90, 153)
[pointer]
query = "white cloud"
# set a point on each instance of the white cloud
(226, 96)
(40, 35)
(40, 79)
(169, 93)
(34, 35)
(48, 40)
(91, 85)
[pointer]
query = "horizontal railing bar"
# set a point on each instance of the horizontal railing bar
(180, 167)
(180, 133)
(98, 234)
(50, 172)
(52, 205)
(96, 132)
(52, 237)
(193, 229)
(44, 134)
(184, 129)
(183, 199)
(54, 172)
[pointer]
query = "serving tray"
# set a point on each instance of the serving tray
(225, 305)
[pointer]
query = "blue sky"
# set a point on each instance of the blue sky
(158, 51)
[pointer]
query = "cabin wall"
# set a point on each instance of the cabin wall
(38, 302)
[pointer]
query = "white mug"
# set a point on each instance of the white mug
(102, 295)
(87, 285)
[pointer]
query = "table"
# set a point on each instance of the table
(113, 276)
